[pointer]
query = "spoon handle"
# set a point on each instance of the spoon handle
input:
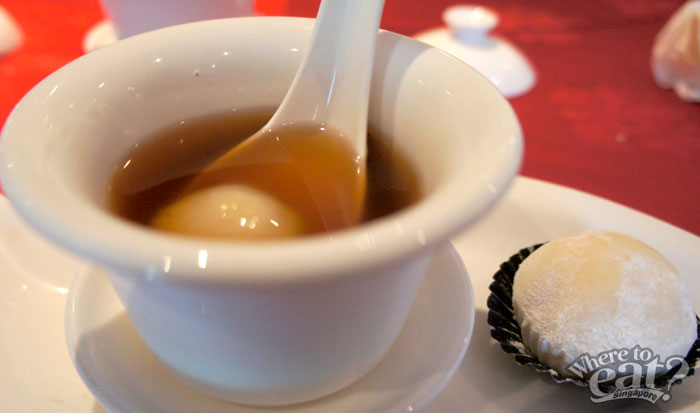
(332, 84)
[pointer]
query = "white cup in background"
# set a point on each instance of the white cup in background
(131, 17)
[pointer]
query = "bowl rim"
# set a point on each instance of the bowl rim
(307, 259)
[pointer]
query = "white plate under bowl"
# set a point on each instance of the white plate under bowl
(121, 372)
(37, 374)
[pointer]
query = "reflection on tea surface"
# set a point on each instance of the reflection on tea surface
(299, 183)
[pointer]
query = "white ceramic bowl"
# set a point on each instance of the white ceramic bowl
(272, 323)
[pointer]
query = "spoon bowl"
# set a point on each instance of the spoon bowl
(310, 157)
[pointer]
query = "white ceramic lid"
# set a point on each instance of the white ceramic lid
(467, 38)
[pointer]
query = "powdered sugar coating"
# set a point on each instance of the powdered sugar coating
(598, 291)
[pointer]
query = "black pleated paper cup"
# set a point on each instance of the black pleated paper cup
(506, 331)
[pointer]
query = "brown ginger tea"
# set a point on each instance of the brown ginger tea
(301, 184)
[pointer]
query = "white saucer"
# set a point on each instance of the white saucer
(123, 375)
(37, 374)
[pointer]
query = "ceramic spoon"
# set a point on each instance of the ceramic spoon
(304, 170)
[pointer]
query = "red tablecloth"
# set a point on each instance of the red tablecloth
(594, 121)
